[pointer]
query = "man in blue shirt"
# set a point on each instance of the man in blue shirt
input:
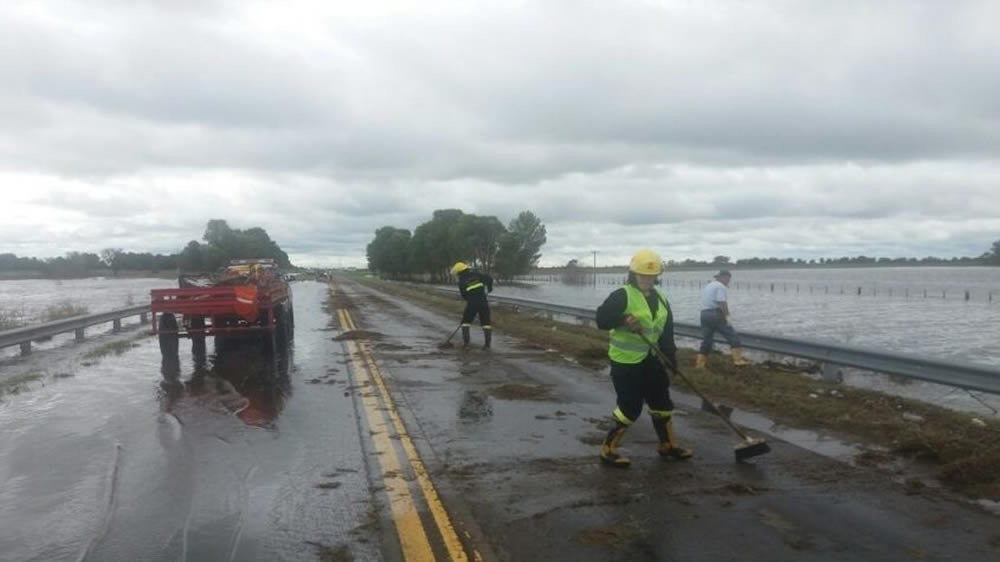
(715, 318)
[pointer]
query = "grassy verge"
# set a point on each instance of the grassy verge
(965, 453)
(116, 347)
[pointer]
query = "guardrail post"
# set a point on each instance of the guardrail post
(79, 334)
(832, 372)
(117, 324)
(143, 317)
(25, 348)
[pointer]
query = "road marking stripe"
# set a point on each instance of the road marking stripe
(434, 503)
(410, 529)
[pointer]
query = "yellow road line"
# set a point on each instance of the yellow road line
(434, 503)
(412, 536)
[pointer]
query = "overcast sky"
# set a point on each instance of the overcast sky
(791, 129)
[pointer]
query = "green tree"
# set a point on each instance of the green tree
(190, 258)
(994, 257)
(111, 257)
(477, 239)
(520, 246)
(388, 252)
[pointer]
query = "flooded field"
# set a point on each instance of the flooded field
(30, 298)
(891, 312)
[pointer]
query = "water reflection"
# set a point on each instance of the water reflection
(475, 407)
(240, 377)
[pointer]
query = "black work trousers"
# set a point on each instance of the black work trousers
(643, 382)
(476, 306)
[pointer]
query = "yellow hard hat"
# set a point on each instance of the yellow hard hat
(646, 262)
(459, 267)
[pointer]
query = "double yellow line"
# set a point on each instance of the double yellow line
(383, 419)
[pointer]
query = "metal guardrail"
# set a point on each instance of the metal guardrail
(25, 335)
(832, 355)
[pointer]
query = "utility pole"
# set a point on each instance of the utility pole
(595, 266)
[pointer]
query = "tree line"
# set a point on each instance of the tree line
(221, 244)
(575, 271)
(452, 235)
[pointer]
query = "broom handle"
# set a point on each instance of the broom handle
(455, 331)
(668, 364)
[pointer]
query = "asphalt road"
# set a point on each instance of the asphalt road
(368, 442)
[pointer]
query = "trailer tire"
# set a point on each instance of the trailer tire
(282, 330)
(197, 340)
(167, 326)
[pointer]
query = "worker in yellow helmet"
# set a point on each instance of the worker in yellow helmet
(636, 373)
(474, 285)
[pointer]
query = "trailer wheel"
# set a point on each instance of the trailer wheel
(167, 325)
(197, 340)
(282, 330)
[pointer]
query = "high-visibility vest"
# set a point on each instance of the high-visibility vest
(474, 282)
(626, 346)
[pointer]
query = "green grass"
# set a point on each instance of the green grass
(966, 455)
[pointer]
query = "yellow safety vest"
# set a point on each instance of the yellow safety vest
(626, 346)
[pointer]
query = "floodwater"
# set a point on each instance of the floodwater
(29, 298)
(220, 454)
(891, 313)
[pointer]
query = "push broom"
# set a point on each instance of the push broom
(751, 447)
(447, 343)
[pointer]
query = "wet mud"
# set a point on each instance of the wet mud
(358, 335)
(327, 553)
(610, 536)
(513, 391)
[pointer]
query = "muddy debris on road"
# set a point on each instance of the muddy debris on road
(513, 391)
(358, 335)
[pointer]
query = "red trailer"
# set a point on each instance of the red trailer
(247, 297)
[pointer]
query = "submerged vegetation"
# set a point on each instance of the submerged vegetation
(117, 347)
(15, 384)
(63, 309)
(963, 450)
(11, 318)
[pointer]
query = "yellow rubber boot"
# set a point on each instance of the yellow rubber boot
(669, 447)
(738, 358)
(610, 454)
(700, 362)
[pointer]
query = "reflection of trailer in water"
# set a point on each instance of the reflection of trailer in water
(247, 297)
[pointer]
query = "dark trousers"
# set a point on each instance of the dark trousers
(712, 321)
(644, 382)
(476, 306)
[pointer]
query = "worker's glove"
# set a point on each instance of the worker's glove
(632, 323)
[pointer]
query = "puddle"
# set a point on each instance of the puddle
(475, 406)
(391, 347)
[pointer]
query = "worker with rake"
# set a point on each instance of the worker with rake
(637, 315)
(474, 285)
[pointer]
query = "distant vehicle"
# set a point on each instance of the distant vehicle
(246, 297)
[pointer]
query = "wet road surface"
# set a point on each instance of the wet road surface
(368, 442)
